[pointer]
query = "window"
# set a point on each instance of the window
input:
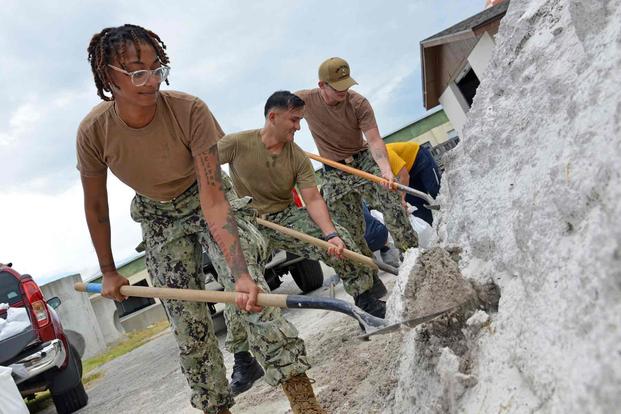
(9, 289)
(134, 304)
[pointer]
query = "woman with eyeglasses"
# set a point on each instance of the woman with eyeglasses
(163, 145)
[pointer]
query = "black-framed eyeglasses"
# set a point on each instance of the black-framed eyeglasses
(141, 77)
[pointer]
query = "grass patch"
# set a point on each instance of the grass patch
(41, 401)
(88, 378)
(134, 340)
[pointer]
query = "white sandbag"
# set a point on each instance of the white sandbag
(17, 320)
(12, 401)
(426, 234)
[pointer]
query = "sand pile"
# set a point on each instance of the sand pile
(531, 194)
(436, 283)
(437, 367)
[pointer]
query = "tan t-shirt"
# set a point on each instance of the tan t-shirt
(265, 177)
(338, 129)
(157, 160)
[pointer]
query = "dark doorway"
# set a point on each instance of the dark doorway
(468, 86)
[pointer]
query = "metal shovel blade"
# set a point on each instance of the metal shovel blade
(336, 305)
(386, 267)
(410, 323)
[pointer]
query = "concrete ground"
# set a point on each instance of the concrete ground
(149, 379)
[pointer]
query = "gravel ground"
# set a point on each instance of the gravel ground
(149, 379)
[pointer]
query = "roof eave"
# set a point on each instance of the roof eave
(449, 38)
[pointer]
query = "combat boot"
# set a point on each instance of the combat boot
(391, 256)
(299, 391)
(368, 303)
(246, 370)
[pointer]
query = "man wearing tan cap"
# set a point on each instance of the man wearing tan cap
(339, 120)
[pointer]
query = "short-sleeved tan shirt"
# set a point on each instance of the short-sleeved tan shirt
(157, 160)
(338, 129)
(265, 177)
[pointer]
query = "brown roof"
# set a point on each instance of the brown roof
(444, 53)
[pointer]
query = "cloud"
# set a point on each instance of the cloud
(46, 234)
(40, 141)
(22, 120)
(232, 54)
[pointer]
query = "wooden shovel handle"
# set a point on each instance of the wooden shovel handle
(357, 257)
(213, 296)
(347, 168)
(372, 177)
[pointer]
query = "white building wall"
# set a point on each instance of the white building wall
(455, 106)
(481, 55)
(108, 319)
(76, 315)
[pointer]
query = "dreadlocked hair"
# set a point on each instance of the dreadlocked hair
(112, 43)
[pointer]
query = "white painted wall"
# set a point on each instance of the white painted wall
(76, 313)
(108, 319)
(455, 106)
(481, 55)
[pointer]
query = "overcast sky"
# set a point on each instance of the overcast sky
(232, 54)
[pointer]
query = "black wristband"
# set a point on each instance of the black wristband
(330, 236)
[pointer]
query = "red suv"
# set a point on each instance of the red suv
(40, 354)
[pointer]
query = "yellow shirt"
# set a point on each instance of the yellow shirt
(402, 154)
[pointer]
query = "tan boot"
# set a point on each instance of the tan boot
(299, 391)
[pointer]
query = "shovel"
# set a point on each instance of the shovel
(372, 325)
(356, 257)
(431, 203)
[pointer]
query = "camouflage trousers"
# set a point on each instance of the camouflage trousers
(356, 278)
(344, 193)
(175, 234)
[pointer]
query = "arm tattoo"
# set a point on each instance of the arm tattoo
(237, 260)
(213, 176)
(227, 234)
(103, 220)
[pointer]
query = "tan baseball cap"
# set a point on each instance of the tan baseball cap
(335, 72)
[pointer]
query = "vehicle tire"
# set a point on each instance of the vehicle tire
(307, 275)
(71, 399)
